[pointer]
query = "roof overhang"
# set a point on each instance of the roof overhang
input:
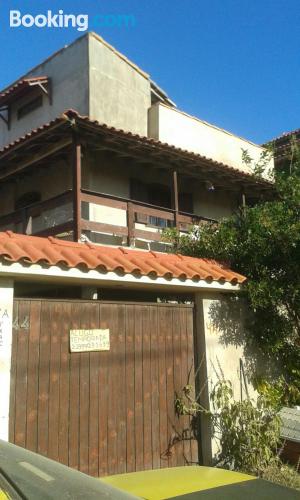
(31, 257)
(55, 274)
(21, 88)
(52, 137)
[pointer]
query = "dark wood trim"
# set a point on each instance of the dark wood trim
(147, 235)
(130, 223)
(100, 227)
(154, 212)
(76, 159)
(35, 209)
(103, 201)
(175, 198)
(38, 157)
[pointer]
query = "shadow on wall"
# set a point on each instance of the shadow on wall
(234, 321)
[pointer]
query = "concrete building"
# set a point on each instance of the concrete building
(95, 162)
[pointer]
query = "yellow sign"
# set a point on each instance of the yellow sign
(89, 340)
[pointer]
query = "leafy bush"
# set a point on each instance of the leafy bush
(248, 432)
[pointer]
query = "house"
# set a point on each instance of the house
(284, 149)
(290, 433)
(100, 325)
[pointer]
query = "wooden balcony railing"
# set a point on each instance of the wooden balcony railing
(46, 218)
(105, 214)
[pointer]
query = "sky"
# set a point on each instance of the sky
(233, 63)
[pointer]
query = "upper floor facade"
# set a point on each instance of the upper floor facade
(97, 81)
(105, 154)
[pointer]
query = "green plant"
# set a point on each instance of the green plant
(282, 474)
(248, 431)
(263, 243)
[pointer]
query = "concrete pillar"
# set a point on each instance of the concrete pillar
(6, 313)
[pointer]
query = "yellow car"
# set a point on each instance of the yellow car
(197, 483)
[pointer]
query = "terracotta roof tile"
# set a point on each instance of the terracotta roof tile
(55, 252)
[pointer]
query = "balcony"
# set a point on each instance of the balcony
(102, 218)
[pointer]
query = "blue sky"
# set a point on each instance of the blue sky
(234, 63)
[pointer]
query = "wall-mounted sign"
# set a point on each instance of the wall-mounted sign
(89, 340)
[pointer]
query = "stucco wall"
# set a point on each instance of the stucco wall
(187, 132)
(220, 331)
(68, 70)
(120, 94)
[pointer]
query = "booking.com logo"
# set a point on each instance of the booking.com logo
(61, 20)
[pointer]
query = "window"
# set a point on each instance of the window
(30, 106)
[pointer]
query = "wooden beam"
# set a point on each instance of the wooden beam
(175, 198)
(76, 167)
(36, 158)
(130, 223)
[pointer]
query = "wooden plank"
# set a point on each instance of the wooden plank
(154, 374)
(64, 389)
(121, 376)
(185, 381)
(53, 430)
(74, 394)
(175, 197)
(171, 432)
(32, 374)
(13, 374)
(84, 395)
(21, 376)
(100, 227)
(113, 388)
(155, 212)
(44, 379)
(95, 360)
(147, 235)
(191, 365)
(177, 365)
(163, 421)
(130, 223)
(130, 404)
(104, 368)
(103, 201)
(138, 389)
(147, 430)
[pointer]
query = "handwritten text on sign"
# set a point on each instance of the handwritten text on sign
(89, 340)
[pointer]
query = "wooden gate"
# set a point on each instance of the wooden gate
(101, 412)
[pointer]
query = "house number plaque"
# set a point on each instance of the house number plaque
(89, 340)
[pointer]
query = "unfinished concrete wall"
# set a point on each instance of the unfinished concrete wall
(68, 70)
(187, 132)
(120, 93)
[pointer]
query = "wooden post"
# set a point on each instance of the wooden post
(130, 223)
(175, 198)
(243, 200)
(76, 188)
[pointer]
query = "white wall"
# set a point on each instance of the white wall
(6, 312)
(187, 132)
(219, 357)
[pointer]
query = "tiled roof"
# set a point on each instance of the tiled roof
(71, 117)
(20, 86)
(290, 423)
(54, 252)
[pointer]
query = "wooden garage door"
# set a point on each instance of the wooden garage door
(101, 412)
